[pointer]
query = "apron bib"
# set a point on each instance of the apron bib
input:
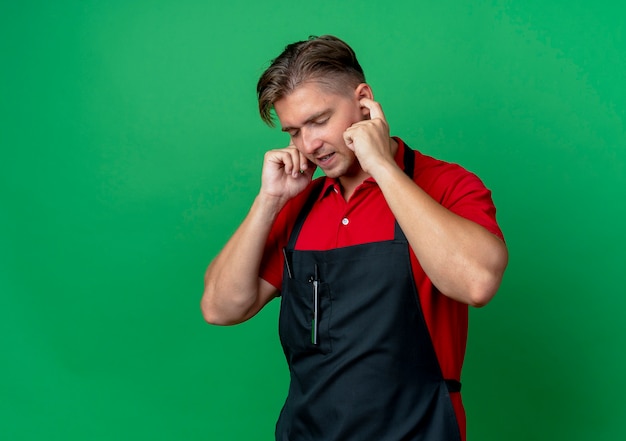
(361, 361)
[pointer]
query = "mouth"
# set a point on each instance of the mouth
(321, 160)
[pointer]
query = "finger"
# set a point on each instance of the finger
(347, 138)
(376, 111)
(282, 158)
(306, 165)
(297, 161)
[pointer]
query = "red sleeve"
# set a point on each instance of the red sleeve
(460, 191)
(272, 263)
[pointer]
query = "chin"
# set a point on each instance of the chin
(335, 172)
(332, 174)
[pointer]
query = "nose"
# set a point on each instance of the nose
(310, 140)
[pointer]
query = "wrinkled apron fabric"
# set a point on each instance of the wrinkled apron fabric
(361, 361)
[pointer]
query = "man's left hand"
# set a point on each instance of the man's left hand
(369, 139)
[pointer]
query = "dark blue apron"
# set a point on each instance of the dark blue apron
(361, 361)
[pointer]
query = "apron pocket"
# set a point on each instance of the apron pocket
(296, 323)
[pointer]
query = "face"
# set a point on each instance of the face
(316, 119)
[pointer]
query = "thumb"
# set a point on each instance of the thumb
(348, 138)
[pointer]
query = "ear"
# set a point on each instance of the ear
(363, 90)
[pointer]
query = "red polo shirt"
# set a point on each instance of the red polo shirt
(334, 222)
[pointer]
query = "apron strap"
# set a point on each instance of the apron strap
(409, 169)
(409, 161)
(453, 386)
(304, 211)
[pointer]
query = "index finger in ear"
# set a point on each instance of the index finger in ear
(375, 110)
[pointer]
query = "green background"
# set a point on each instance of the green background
(131, 149)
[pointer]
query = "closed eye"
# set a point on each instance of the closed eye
(294, 133)
(318, 119)
(321, 122)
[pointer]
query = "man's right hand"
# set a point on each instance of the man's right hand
(286, 172)
(233, 290)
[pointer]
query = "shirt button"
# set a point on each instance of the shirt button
(345, 221)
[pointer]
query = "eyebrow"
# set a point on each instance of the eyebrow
(310, 119)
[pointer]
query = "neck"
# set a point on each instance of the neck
(350, 183)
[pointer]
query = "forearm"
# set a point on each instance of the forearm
(464, 260)
(233, 291)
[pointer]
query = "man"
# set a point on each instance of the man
(375, 263)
